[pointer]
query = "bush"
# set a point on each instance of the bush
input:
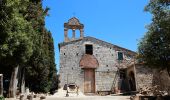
(2, 98)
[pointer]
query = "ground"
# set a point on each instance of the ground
(84, 98)
(61, 95)
(91, 98)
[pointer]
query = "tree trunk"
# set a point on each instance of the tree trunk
(168, 70)
(13, 83)
(1, 84)
(23, 82)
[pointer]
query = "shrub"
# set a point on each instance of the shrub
(2, 98)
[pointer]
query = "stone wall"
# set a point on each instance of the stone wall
(162, 80)
(107, 67)
(71, 53)
(104, 80)
(153, 79)
(144, 77)
(70, 56)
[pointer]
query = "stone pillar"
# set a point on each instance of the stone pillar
(74, 34)
(81, 33)
(1, 84)
(27, 91)
(66, 35)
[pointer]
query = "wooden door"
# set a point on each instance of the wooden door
(89, 80)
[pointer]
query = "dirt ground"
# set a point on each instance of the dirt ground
(82, 98)
(91, 98)
(61, 95)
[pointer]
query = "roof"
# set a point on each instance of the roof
(88, 61)
(98, 41)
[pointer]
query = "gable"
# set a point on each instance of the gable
(99, 42)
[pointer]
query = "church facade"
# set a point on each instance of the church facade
(95, 65)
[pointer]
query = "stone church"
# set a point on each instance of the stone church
(97, 66)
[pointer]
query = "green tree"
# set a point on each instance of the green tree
(41, 66)
(16, 45)
(154, 47)
(26, 47)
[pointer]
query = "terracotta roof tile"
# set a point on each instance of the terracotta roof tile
(88, 61)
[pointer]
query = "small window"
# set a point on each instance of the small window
(89, 49)
(120, 55)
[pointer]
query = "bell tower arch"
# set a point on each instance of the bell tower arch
(73, 24)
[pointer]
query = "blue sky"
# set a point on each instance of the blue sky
(120, 22)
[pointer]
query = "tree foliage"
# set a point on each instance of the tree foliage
(41, 66)
(154, 47)
(16, 44)
(25, 42)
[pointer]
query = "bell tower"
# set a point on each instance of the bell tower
(74, 25)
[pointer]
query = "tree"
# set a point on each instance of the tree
(26, 47)
(41, 66)
(16, 45)
(154, 47)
